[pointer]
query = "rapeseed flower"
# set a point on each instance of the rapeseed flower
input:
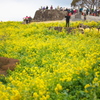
(50, 61)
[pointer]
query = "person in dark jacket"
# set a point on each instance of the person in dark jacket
(26, 19)
(29, 19)
(67, 19)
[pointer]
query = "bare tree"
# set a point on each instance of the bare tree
(85, 3)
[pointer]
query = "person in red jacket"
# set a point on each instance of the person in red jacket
(68, 16)
(26, 19)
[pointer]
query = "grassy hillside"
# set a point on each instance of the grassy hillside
(53, 65)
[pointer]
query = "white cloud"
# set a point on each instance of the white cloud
(62, 3)
(15, 10)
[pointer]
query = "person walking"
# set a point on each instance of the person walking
(84, 14)
(68, 16)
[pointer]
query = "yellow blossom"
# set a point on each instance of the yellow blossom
(35, 95)
(86, 86)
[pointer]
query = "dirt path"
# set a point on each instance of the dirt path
(7, 63)
(88, 17)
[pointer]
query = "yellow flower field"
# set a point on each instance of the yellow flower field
(53, 65)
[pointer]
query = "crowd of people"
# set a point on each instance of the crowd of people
(46, 8)
(27, 19)
(93, 12)
(59, 8)
(83, 11)
(72, 11)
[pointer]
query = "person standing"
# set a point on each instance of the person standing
(80, 10)
(46, 7)
(87, 11)
(84, 14)
(51, 7)
(68, 16)
(26, 19)
(29, 19)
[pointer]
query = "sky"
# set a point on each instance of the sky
(16, 10)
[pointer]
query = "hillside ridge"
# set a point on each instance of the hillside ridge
(49, 15)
